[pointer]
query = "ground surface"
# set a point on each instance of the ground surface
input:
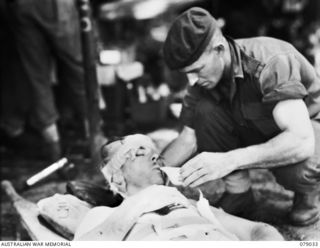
(273, 202)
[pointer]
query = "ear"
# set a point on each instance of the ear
(218, 43)
(220, 48)
(121, 187)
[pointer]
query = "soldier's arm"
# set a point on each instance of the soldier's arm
(180, 149)
(294, 144)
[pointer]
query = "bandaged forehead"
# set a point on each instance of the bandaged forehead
(120, 152)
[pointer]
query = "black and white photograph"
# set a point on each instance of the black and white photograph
(160, 120)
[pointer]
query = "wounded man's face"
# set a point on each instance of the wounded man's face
(143, 170)
(133, 164)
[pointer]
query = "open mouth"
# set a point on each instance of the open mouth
(157, 164)
(164, 177)
(159, 172)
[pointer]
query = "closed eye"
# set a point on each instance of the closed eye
(141, 151)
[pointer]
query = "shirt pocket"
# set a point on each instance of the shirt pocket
(260, 116)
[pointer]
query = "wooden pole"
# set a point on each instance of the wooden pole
(94, 120)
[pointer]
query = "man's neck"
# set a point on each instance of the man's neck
(134, 189)
(227, 73)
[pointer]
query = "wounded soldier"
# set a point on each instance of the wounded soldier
(153, 210)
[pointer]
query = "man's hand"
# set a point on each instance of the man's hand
(206, 166)
(293, 144)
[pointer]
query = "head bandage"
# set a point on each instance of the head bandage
(120, 154)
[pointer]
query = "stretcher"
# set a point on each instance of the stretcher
(28, 216)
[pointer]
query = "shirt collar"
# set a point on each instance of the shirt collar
(228, 87)
(235, 58)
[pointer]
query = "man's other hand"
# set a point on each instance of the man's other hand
(206, 166)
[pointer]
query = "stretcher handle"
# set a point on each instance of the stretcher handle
(10, 191)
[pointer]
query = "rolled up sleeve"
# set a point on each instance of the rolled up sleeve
(281, 80)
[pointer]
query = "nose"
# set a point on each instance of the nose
(192, 78)
(154, 157)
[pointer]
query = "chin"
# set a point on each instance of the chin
(157, 179)
(211, 86)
